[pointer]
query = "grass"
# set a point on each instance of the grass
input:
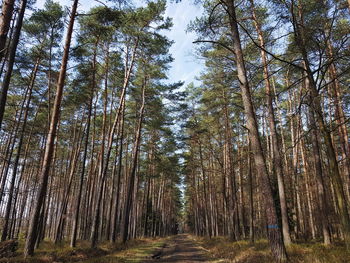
(219, 249)
(136, 251)
(243, 251)
(132, 252)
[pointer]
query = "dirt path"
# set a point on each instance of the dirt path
(180, 249)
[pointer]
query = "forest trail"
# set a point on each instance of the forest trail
(181, 249)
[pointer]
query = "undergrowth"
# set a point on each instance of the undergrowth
(259, 252)
(133, 251)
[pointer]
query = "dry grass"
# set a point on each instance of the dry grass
(243, 251)
(135, 251)
(132, 252)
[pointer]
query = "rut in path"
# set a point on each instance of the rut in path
(181, 249)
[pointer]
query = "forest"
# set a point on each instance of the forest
(104, 158)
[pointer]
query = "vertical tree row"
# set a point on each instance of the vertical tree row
(87, 148)
(275, 75)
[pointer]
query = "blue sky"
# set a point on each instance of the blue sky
(185, 67)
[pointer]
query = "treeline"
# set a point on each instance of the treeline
(267, 129)
(87, 150)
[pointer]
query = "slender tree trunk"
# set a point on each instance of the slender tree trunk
(67, 189)
(13, 48)
(5, 22)
(276, 156)
(129, 194)
(340, 117)
(128, 70)
(315, 104)
(19, 151)
(49, 148)
(119, 173)
(322, 200)
(8, 157)
(273, 227)
(308, 191)
(82, 174)
(251, 191)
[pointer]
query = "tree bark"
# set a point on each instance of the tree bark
(19, 150)
(251, 191)
(119, 173)
(82, 174)
(101, 179)
(276, 156)
(13, 48)
(50, 143)
(129, 194)
(5, 22)
(273, 226)
(322, 200)
(315, 104)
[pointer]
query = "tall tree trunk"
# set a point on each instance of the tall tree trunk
(119, 173)
(19, 151)
(129, 194)
(13, 48)
(67, 188)
(340, 117)
(251, 191)
(315, 104)
(101, 179)
(8, 155)
(82, 174)
(49, 148)
(273, 226)
(276, 156)
(5, 22)
(317, 161)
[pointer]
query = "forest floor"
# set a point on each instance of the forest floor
(135, 251)
(175, 249)
(182, 249)
(244, 252)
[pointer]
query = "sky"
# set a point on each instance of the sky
(185, 66)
